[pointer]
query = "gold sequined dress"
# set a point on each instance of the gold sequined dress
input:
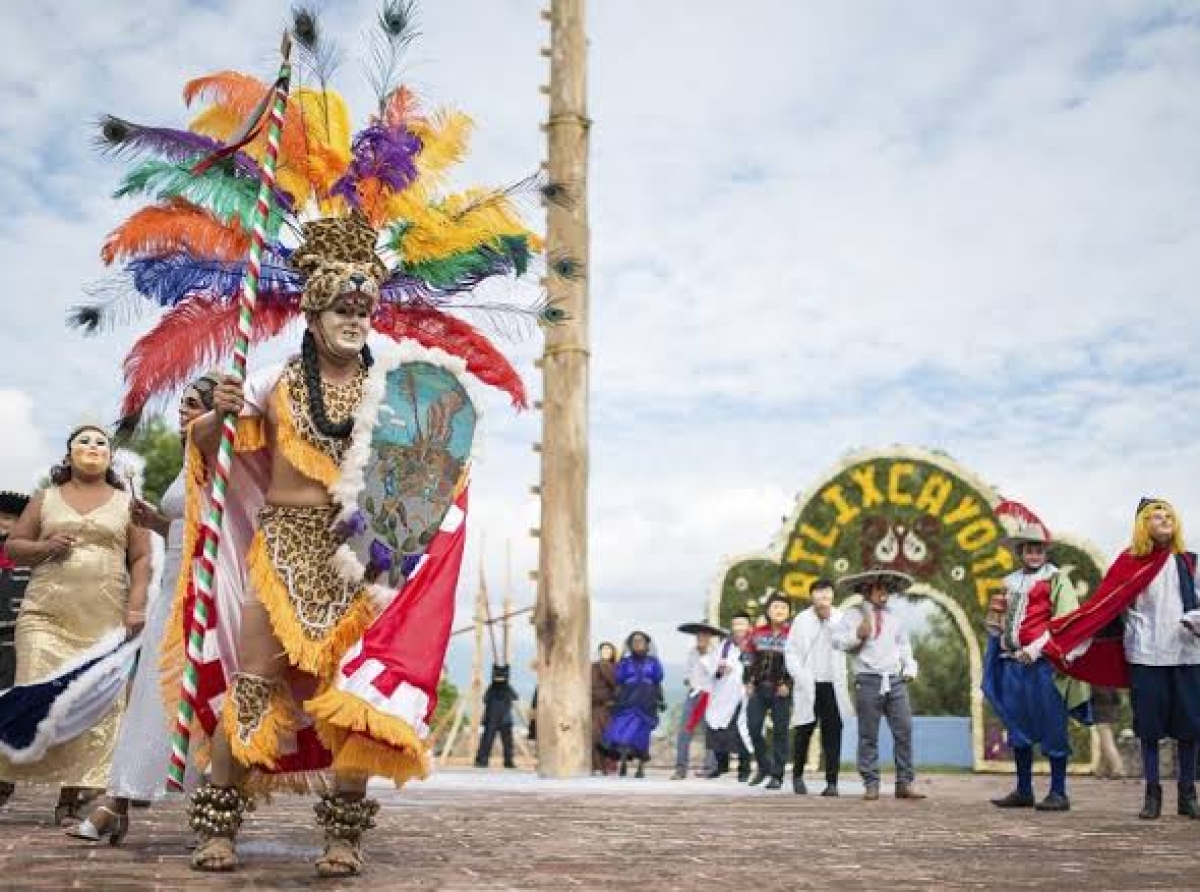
(69, 606)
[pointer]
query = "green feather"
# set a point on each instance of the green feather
(451, 272)
(217, 190)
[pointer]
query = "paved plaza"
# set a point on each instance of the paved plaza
(468, 830)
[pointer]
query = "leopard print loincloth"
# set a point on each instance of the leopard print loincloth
(300, 545)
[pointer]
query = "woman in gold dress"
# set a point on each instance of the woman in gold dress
(91, 569)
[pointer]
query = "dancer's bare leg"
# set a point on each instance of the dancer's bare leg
(262, 656)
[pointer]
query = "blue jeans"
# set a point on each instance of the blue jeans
(765, 701)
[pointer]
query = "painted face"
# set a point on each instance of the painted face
(191, 407)
(778, 612)
(638, 644)
(1161, 524)
(1033, 555)
(739, 627)
(6, 524)
(822, 600)
(343, 328)
(90, 452)
(608, 652)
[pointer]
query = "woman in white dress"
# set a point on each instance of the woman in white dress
(143, 748)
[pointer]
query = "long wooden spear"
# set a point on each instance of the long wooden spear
(203, 607)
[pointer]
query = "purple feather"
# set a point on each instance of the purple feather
(380, 560)
(382, 154)
(125, 139)
(354, 525)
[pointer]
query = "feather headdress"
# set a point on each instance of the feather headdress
(185, 251)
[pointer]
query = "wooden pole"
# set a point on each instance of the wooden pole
(476, 696)
(506, 607)
(563, 607)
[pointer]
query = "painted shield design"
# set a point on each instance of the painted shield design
(418, 457)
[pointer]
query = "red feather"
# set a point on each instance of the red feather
(433, 328)
(1023, 515)
(191, 336)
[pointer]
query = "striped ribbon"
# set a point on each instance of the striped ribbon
(204, 607)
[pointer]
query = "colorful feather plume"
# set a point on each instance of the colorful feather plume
(184, 252)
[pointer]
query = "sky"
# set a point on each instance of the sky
(817, 227)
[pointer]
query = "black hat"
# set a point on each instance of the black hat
(13, 502)
(893, 580)
(697, 628)
(1146, 501)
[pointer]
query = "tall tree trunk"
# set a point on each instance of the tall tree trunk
(563, 605)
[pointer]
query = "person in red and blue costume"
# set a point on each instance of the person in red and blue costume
(1022, 687)
(1136, 631)
(770, 692)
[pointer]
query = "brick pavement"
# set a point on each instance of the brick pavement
(469, 831)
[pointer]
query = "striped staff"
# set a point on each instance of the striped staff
(203, 606)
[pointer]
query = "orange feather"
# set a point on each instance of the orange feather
(176, 225)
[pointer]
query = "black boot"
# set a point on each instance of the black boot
(623, 770)
(798, 786)
(1015, 799)
(1054, 802)
(1188, 806)
(1153, 806)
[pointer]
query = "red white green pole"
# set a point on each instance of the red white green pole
(204, 608)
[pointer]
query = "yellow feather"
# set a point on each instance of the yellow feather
(462, 222)
(444, 137)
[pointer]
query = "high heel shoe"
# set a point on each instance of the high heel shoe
(86, 829)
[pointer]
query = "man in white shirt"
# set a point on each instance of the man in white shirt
(1151, 588)
(725, 714)
(701, 671)
(819, 693)
(883, 666)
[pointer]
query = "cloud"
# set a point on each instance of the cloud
(816, 228)
(26, 454)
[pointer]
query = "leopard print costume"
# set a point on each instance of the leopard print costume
(341, 401)
(250, 697)
(335, 251)
(300, 544)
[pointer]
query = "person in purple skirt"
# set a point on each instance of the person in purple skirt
(639, 701)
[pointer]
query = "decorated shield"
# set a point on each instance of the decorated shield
(405, 467)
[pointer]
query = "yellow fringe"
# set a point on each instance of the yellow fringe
(305, 458)
(251, 435)
(262, 749)
(173, 649)
(314, 657)
(261, 785)
(366, 741)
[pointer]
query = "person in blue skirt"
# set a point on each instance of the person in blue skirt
(639, 701)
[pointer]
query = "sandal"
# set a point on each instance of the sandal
(216, 854)
(344, 820)
(215, 813)
(90, 831)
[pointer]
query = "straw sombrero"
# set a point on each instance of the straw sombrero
(1027, 534)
